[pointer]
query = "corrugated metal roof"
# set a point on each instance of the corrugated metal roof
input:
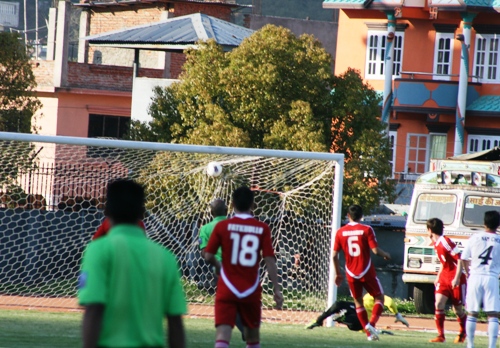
(486, 103)
(181, 31)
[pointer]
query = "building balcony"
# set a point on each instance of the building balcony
(430, 93)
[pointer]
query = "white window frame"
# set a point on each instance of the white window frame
(440, 55)
(487, 58)
(417, 148)
(393, 141)
(477, 143)
(414, 163)
(376, 42)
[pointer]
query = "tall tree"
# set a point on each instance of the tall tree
(275, 91)
(18, 103)
(358, 133)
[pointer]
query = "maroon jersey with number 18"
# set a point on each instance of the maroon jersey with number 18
(244, 241)
(356, 240)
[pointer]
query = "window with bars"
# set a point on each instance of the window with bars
(486, 57)
(108, 126)
(478, 143)
(376, 51)
(443, 54)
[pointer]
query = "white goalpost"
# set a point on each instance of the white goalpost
(52, 194)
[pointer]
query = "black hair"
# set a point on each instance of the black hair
(243, 199)
(218, 207)
(125, 201)
(355, 212)
(492, 220)
(436, 226)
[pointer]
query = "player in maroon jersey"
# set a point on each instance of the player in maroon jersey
(448, 254)
(356, 240)
(243, 240)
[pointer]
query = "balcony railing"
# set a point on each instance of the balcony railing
(440, 77)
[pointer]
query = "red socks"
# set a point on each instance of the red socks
(439, 319)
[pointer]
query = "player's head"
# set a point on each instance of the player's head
(435, 226)
(243, 199)
(355, 212)
(124, 202)
(491, 220)
(218, 207)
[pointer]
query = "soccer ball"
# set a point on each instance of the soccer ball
(214, 169)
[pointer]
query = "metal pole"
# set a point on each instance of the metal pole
(25, 24)
(336, 219)
(389, 65)
(37, 44)
(463, 81)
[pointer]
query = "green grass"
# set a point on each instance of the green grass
(27, 329)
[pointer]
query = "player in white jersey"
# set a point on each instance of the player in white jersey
(481, 262)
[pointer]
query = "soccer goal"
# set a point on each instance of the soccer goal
(53, 192)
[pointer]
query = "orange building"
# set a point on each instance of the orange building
(441, 88)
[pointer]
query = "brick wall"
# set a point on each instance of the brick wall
(219, 11)
(176, 63)
(116, 78)
(44, 72)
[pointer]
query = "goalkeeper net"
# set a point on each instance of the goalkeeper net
(53, 193)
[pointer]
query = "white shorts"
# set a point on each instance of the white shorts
(482, 292)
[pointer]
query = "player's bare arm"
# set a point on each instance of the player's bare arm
(336, 263)
(92, 323)
(379, 252)
(272, 270)
(210, 258)
(175, 332)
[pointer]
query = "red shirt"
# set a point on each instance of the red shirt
(449, 255)
(356, 240)
(106, 226)
(242, 239)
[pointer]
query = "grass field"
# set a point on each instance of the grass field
(29, 329)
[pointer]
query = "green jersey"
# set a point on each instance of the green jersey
(206, 232)
(137, 281)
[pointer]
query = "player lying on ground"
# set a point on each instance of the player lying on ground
(345, 312)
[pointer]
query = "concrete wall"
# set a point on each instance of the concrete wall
(326, 32)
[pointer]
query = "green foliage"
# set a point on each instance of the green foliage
(358, 133)
(18, 103)
(274, 91)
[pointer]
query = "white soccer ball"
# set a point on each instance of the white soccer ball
(214, 169)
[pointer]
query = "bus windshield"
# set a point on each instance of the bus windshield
(476, 206)
(430, 205)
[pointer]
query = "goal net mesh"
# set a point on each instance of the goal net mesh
(52, 198)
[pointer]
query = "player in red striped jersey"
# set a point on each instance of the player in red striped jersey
(243, 240)
(356, 240)
(448, 254)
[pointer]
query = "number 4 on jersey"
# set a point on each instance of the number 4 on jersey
(485, 255)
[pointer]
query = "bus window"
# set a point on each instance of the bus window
(430, 205)
(476, 206)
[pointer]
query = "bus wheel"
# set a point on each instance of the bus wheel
(423, 297)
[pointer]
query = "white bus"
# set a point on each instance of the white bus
(458, 191)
